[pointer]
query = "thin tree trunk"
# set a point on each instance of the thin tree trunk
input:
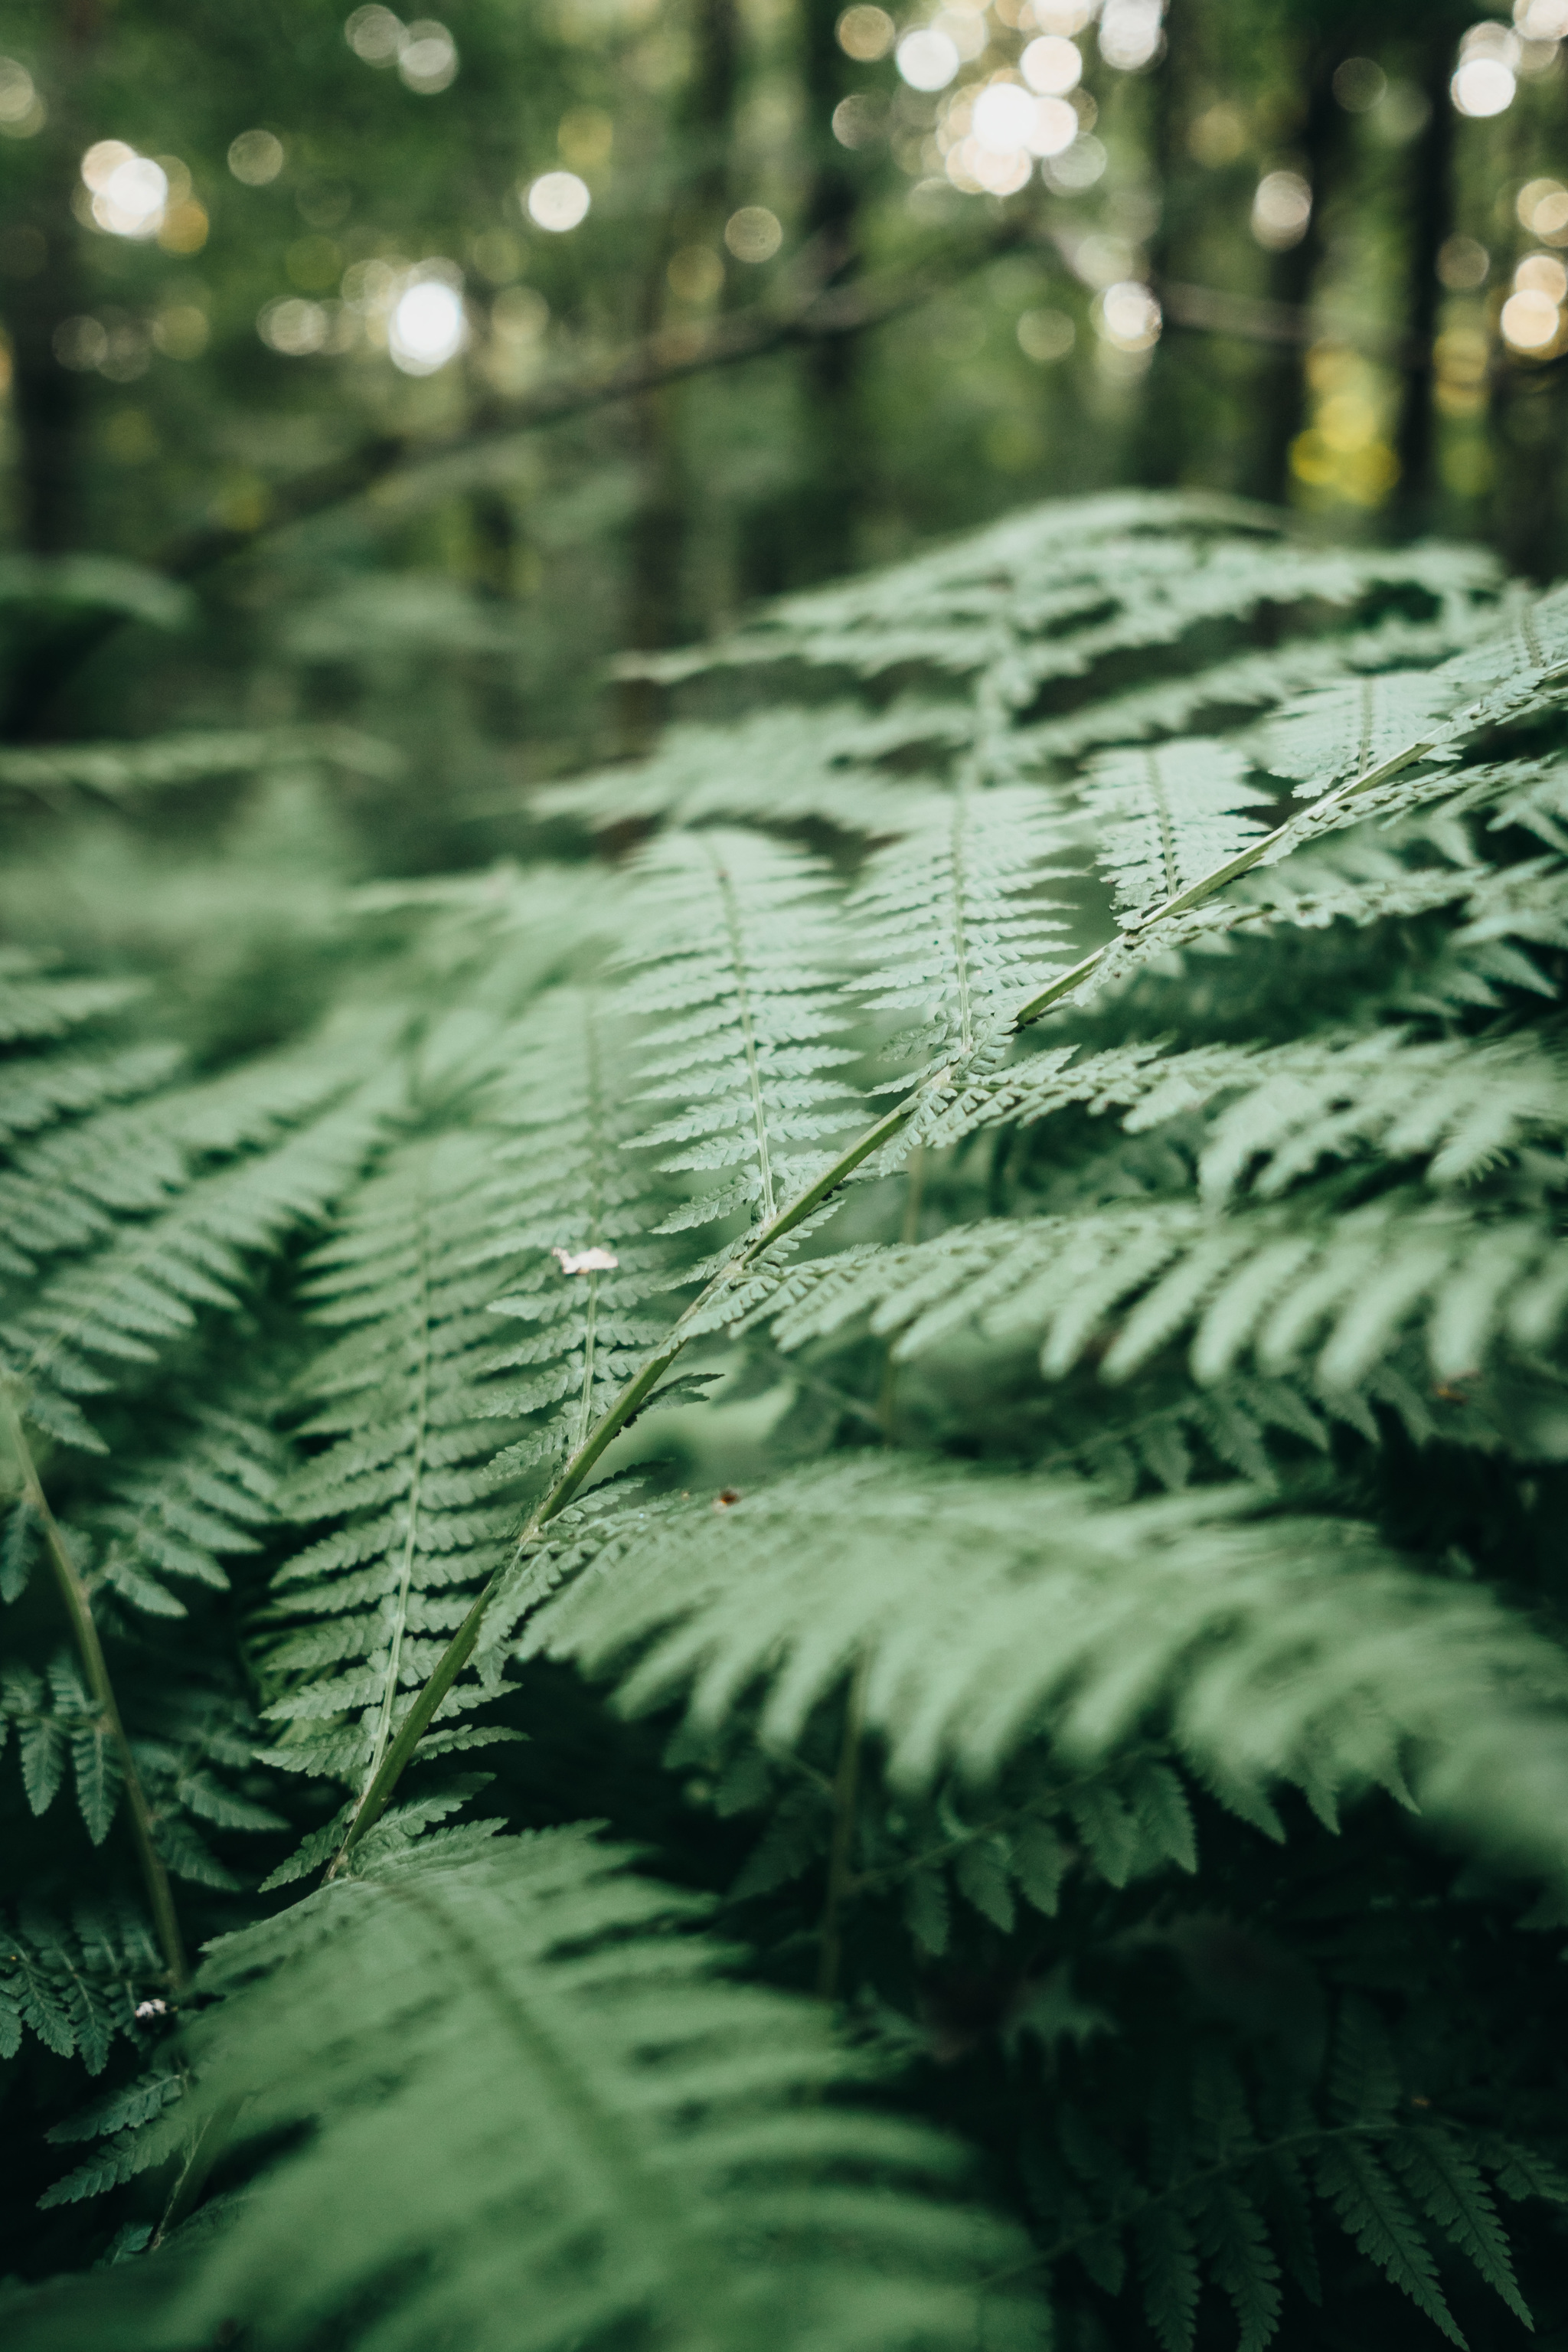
(1295, 271)
(1431, 198)
(837, 471)
(656, 597)
(1163, 422)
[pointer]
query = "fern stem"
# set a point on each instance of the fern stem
(78, 1609)
(1255, 854)
(846, 1784)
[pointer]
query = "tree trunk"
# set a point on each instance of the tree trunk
(1431, 200)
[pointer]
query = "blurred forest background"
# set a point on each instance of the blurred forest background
(370, 385)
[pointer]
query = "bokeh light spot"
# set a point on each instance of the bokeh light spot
(1483, 87)
(256, 157)
(1128, 316)
(1052, 66)
(1541, 20)
(558, 201)
(1543, 273)
(927, 59)
(1360, 85)
(22, 111)
(428, 326)
(1131, 32)
(1004, 117)
(1530, 320)
(753, 233)
(130, 192)
(428, 59)
(1542, 209)
(1282, 209)
(1046, 336)
(866, 33)
(695, 273)
(292, 326)
(376, 35)
(1463, 264)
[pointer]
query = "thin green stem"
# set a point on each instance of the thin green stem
(89, 1649)
(772, 1231)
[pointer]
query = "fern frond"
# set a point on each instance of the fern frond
(953, 920)
(1344, 730)
(780, 768)
(76, 1988)
(35, 1006)
(1247, 682)
(572, 1209)
(1165, 817)
(735, 943)
(409, 1398)
(988, 1611)
(179, 1516)
(145, 1288)
(162, 762)
(587, 2134)
(1278, 1285)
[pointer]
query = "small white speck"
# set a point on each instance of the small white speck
(588, 1261)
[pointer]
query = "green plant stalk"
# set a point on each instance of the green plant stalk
(78, 1609)
(460, 1648)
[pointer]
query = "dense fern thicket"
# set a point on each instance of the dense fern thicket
(810, 1592)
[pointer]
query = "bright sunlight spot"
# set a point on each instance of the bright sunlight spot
(1542, 209)
(1128, 316)
(558, 201)
(256, 157)
(1052, 66)
(130, 192)
(1131, 32)
(428, 327)
(927, 60)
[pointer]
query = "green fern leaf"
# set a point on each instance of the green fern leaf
(1371, 2212)
(1165, 817)
(1450, 2191)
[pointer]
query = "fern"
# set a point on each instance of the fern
(737, 950)
(412, 1419)
(1165, 817)
(588, 2132)
(1280, 1648)
(1175, 1839)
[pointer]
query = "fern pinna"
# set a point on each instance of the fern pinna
(1048, 1077)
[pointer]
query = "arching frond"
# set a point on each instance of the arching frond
(572, 1211)
(587, 2135)
(779, 768)
(986, 1612)
(76, 1988)
(1279, 1286)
